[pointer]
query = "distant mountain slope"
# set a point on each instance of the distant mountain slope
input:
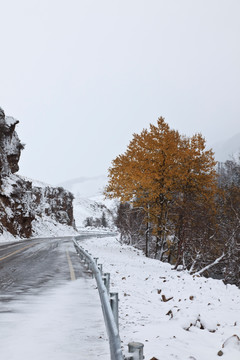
(224, 150)
(89, 205)
(86, 187)
(91, 213)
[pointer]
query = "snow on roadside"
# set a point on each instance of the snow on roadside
(45, 226)
(175, 315)
(6, 237)
(42, 227)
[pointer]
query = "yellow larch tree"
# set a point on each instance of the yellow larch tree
(157, 171)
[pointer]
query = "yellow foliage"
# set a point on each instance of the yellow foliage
(160, 167)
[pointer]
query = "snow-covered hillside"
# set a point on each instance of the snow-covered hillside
(89, 202)
(87, 211)
(175, 315)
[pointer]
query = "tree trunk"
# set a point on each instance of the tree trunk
(147, 241)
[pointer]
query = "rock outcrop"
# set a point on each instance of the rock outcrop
(21, 201)
(10, 145)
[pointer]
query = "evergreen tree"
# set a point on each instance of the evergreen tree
(104, 220)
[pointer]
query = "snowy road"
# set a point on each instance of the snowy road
(36, 264)
(44, 314)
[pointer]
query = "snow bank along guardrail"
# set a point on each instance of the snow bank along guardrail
(109, 303)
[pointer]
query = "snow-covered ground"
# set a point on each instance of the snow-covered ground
(175, 315)
(7, 237)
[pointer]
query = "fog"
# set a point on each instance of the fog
(83, 75)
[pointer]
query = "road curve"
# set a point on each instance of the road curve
(33, 265)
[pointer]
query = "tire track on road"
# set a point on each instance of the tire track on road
(16, 252)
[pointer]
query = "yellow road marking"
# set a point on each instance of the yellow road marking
(72, 273)
(7, 246)
(15, 252)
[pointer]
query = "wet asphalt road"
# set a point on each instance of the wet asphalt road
(43, 313)
(34, 265)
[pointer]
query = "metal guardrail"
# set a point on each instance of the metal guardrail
(109, 303)
(112, 330)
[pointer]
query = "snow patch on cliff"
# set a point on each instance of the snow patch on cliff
(10, 120)
(45, 226)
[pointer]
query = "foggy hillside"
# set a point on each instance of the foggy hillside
(86, 187)
(227, 149)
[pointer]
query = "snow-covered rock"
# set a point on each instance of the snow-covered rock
(10, 145)
(24, 202)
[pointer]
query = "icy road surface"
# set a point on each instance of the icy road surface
(44, 312)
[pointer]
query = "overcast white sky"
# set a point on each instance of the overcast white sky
(83, 75)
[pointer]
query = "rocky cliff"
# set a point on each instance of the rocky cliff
(22, 202)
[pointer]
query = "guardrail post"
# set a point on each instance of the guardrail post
(90, 268)
(95, 259)
(106, 280)
(100, 268)
(136, 349)
(114, 307)
(88, 265)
